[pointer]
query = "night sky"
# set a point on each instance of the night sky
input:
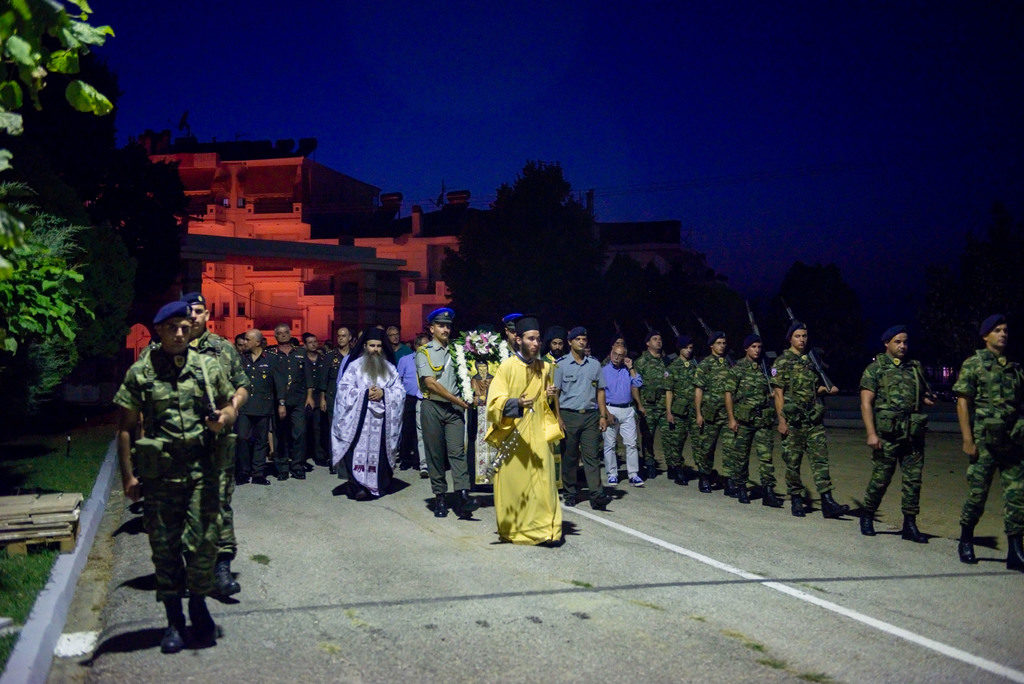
(872, 135)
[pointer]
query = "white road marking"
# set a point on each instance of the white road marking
(75, 644)
(913, 637)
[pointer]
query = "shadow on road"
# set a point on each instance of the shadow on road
(142, 582)
(131, 526)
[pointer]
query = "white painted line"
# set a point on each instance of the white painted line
(75, 644)
(913, 637)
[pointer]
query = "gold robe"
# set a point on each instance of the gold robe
(525, 497)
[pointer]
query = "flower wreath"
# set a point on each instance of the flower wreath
(482, 346)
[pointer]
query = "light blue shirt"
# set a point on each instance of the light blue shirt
(407, 372)
(579, 383)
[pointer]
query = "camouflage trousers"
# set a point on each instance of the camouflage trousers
(806, 440)
(182, 518)
(704, 442)
(909, 455)
(1010, 464)
(673, 438)
(227, 545)
(653, 421)
(736, 453)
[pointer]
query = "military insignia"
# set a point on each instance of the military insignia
(895, 362)
(666, 374)
(179, 360)
(775, 371)
(1002, 360)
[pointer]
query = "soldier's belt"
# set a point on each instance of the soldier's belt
(626, 405)
(584, 411)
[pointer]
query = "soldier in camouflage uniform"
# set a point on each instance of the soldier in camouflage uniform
(215, 346)
(800, 412)
(185, 399)
(710, 382)
(679, 410)
(652, 367)
(751, 421)
(990, 394)
(892, 394)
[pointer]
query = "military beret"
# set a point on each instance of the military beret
(509, 319)
(555, 332)
(793, 327)
(715, 335)
(172, 310)
(683, 341)
(526, 322)
(750, 339)
(442, 315)
(989, 324)
(893, 332)
(650, 334)
(194, 298)
(576, 332)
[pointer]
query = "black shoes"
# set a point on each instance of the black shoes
(600, 501)
(910, 531)
(867, 523)
(770, 498)
(241, 479)
(797, 506)
(730, 488)
(704, 484)
(569, 500)
(172, 641)
(204, 631)
(440, 507)
(260, 480)
(742, 495)
(301, 475)
(282, 476)
(830, 508)
(223, 580)
(308, 467)
(1014, 553)
(965, 548)
(680, 478)
(424, 474)
(465, 505)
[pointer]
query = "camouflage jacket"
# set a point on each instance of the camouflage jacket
(749, 389)
(213, 345)
(680, 383)
(655, 374)
(173, 392)
(795, 375)
(712, 377)
(899, 386)
(994, 385)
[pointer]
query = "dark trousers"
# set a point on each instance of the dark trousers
(315, 427)
(290, 433)
(582, 438)
(408, 452)
(252, 448)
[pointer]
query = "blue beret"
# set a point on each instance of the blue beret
(715, 335)
(650, 334)
(442, 315)
(172, 310)
(684, 341)
(194, 298)
(576, 332)
(510, 319)
(893, 332)
(750, 339)
(793, 327)
(989, 324)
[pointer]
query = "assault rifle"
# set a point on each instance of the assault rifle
(765, 355)
(708, 331)
(810, 352)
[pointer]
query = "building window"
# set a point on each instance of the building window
(241, 309)
(225, 309)
(241, 203)
(226, 202)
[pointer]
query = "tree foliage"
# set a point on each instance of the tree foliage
(38, 37)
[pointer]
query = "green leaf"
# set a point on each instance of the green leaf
(20, 51)
(5, 268)
(5, 160)
(11, 345)
(82, 5)
(11, 122)
(63, 62)
(10, 95)
(90, 35)
(85, 98)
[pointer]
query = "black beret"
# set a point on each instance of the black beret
(892, 332)
(989, 324)
(683, 341)
(750, 339)
(576, 332)
(650, 334)
(715, 335)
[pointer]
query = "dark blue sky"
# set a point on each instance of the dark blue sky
(873, 135)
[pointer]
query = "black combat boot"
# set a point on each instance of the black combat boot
(730, 488)
(681, 478)
(965, 548)
(742, 494)
(704, 484)
(910, 531)
(770, 498)
(1014, 553)
(204, 631)
(830, 508)
(600, 500)
(867, 523)
(440, 507)
(223, 580)
(172, 641)
(797, 506)
(672, 473)
(466, 504)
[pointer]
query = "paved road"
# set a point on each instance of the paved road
(335, 590)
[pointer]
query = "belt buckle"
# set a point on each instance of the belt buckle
(581, 411)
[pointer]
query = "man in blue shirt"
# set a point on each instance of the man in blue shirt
(410, 449)
(621, 388)
(582, 413)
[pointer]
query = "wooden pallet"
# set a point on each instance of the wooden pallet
(20, 547)
(34, 519)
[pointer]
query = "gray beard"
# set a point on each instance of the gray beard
(375, 368)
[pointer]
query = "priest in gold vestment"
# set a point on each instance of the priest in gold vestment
(522, 425)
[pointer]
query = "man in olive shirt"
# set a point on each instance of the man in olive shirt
(443, 418)
(294, 394)
(653, 368)
(710, 382)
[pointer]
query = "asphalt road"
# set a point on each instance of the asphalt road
(680, 586)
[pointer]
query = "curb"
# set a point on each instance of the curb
(33, 653)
